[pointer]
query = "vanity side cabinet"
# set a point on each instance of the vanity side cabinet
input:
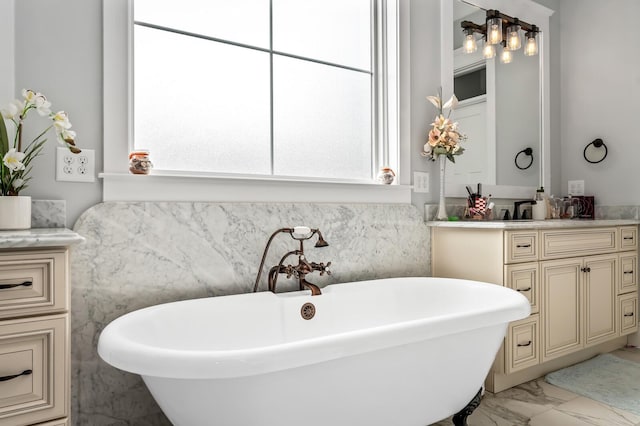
(470, 254)
(34, 337)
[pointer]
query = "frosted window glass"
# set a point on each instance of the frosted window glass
(336, 31)
(241, 21)
(201, 105)
(322, 120)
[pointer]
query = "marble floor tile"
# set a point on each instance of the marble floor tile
(537, 403)
(597, 413)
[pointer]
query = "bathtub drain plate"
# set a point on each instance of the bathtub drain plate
(308, 311)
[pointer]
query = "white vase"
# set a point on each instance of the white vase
(442, 208)
(15, 212)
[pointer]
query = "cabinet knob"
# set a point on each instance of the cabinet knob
(523, 245)
(586, 269)
(630, 314)
(524, 289)
(628, 272)
(525, 344)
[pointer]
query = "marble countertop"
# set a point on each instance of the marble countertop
(39, 237)
(532, 224)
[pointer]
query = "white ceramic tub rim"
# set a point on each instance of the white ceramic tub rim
(148, 360)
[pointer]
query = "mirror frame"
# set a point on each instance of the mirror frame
(529, 11)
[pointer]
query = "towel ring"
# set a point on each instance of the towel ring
(528, 152)
(595, 154)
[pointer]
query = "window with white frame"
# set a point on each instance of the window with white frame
(294, 88)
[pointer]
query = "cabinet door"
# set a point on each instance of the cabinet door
(561, 299)
(521, 346)
(600, 298)
(628, 280)
(628, 313)
(524, 278)
(34, 370)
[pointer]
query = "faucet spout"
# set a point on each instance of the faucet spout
(315, 290)
(516, 208)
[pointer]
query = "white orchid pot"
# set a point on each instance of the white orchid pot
(15, 212)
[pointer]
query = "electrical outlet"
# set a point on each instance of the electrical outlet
(420, 182)
(576, 187)
(75, 167)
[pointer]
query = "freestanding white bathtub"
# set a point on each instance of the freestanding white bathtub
(401, 351)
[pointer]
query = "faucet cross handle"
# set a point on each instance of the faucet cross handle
(324, 269)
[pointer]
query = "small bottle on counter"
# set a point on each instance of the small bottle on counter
(539, 209)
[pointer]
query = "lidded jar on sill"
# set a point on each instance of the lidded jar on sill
(139, 162)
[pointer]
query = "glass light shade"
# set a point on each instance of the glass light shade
(531, 46)
(506, 57)
(494, 31)
(513, 37)
(470, 44)
(489, 51)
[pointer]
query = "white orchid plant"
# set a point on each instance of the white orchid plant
(444, 136)
(16, 157)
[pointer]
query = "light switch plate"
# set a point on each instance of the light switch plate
(576, 187)
(421, 182)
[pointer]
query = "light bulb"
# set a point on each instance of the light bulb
(513, 37)
(494, 31)
(531, 46)
(506, 57)
(470, 44)
(489, 51)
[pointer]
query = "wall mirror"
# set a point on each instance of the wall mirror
(504, 108)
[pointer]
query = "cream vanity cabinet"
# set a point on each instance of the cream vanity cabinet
(581, 282)
(34, 328)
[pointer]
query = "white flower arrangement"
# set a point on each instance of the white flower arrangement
(444, 136)
(16, 161)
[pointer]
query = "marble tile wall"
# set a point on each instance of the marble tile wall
(142, 254)
(48, 213)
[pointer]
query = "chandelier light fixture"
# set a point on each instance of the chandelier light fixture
(501, 30)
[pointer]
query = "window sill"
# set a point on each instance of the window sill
(193, 187)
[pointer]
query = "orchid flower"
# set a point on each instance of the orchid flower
(13, 160)
(16, 160)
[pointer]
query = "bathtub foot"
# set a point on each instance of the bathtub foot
(460, 418)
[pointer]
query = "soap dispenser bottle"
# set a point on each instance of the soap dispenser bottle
(539, 209)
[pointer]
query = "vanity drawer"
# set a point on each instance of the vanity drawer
(34, 350)
(525, 279)
(33, 283)
(520, 246)
(628, 238)
(577, 242)
(522, 344)
(628, 280)
(628, 313)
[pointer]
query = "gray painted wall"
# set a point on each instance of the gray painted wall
(600, 92)
(59, 52)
